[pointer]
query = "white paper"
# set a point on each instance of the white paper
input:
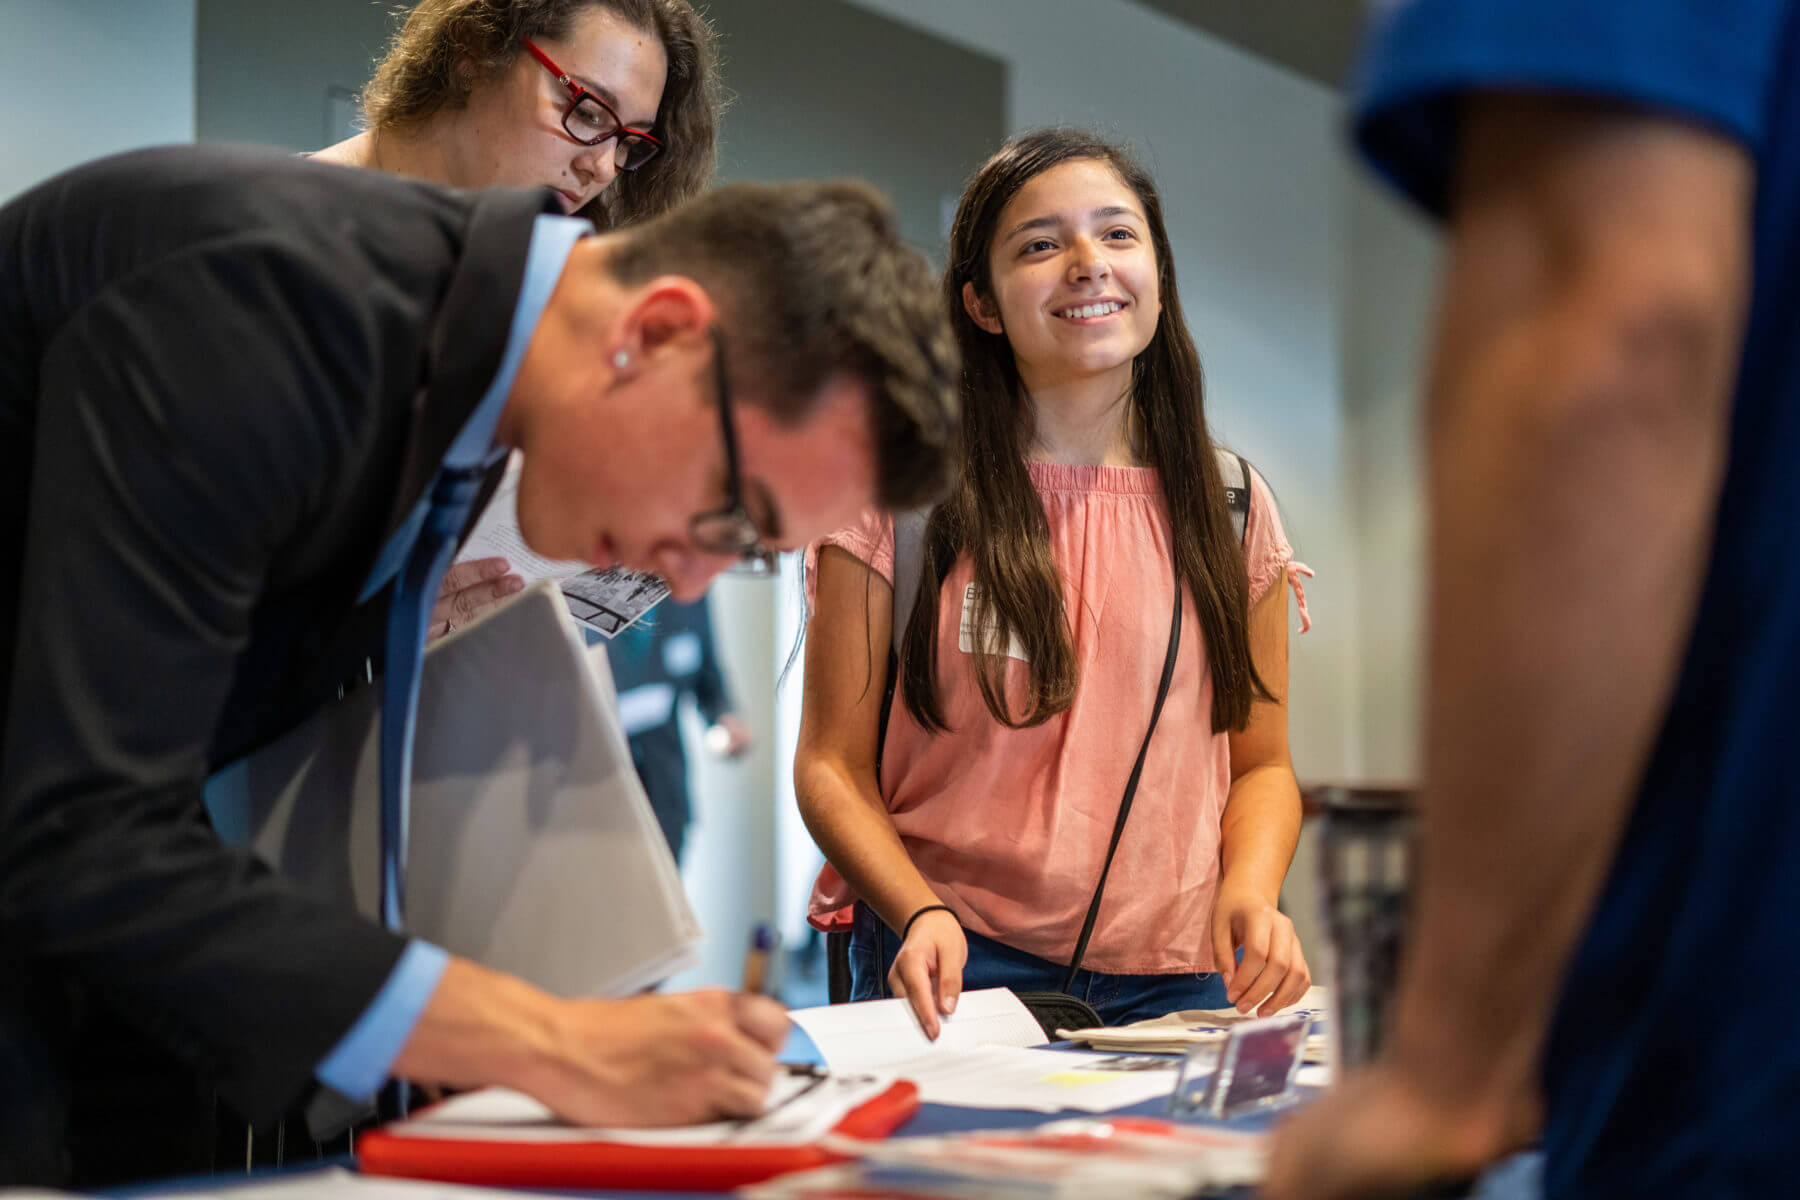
(980, 1059)
(1044, 1081)
(1313, 1075)
(875, 1033)
(800, 1110)
(496, 535)
(336, 1182)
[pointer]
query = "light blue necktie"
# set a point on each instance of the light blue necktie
(439, 518)
(453, 494)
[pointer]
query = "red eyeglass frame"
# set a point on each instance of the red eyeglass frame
(577, 94)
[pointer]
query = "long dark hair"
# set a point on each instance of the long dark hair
(446, 48)
(995, 513)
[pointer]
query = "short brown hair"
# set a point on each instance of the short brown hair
(812, 279)
(446, 48)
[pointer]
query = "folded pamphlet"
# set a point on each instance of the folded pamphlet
(1181, 1031)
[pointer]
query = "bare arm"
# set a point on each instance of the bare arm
(1579, 407)
(834, 770)
(1258, 830)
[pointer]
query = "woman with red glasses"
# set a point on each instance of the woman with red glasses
(613, 103)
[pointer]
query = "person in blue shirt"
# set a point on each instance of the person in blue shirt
(1605, 949)
(655, 663)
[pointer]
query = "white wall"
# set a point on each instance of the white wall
(731, 860)
(83, 78)
(1391, 256)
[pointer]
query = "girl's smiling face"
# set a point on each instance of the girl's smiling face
(1074, 276)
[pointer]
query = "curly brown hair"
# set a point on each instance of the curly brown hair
(446, 48)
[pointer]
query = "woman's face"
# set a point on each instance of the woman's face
(1074, 276)
(511, 131)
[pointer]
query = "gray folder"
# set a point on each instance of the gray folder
(532, 847)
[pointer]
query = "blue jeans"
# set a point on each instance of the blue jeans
(1119, 999)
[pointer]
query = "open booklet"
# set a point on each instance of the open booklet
(605, 599)
(532, 847)
(985, 1056)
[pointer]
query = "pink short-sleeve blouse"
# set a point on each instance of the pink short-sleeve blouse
(1010, 827)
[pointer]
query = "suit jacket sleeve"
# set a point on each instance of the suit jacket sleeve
(194, 421)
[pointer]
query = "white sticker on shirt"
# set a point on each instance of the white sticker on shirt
(646, 707)
(681, 654)
(990, 644)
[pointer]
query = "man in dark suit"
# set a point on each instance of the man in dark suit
(227, 380)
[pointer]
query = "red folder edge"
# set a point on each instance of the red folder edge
(621, 1164)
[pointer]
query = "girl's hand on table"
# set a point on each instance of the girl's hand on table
(1273, 973)
(929, 968)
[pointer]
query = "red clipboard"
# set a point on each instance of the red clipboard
(586, 1165)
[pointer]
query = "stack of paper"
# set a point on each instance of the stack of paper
(1119, 1159)
(800, 1109)
(532, 849)
(981, 1059)
(1178, 1032)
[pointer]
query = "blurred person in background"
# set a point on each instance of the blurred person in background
(667, 656)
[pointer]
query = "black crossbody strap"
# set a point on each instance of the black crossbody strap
(1137, 768)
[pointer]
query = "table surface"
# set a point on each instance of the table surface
(1514, 1179)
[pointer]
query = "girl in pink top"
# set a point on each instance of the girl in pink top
(1031, 662)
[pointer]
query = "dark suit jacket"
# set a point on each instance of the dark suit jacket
(224, 377)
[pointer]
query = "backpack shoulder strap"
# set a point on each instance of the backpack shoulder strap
(909, 564)
(1236, 474)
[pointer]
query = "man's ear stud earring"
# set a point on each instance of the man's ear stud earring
(621, 359)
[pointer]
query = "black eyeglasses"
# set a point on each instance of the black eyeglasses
(591, 120)
(731, 529)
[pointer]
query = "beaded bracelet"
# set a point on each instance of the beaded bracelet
(922, 912)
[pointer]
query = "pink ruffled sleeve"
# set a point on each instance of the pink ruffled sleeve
(870, 540)
(1267, 554)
